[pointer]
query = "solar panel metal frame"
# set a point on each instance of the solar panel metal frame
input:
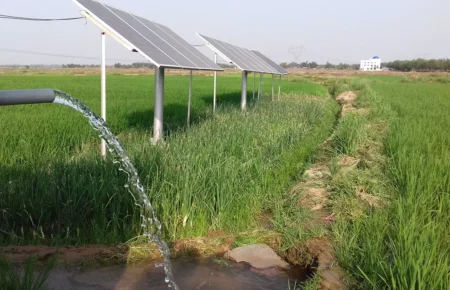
(210, 65)
(281, 70)
(243, 58)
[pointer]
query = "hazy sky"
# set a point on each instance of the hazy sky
(329, 30)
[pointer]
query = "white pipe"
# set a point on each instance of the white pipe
(189, 100)
(215, 86)
(103, 91)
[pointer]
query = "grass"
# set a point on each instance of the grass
(11, 279)
(348, 134)
(220, 175)
(403, 244)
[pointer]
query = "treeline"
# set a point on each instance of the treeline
(134, 65)
(398, 65)
(225, 65)
(75, 65)
(315, 65)
(419, 65)
(299, 65)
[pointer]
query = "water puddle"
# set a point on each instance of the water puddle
(191, 273)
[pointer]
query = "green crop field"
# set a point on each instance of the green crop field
(225, 174)
(405, 243)
(219, 174)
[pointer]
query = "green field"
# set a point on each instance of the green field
(220, 174)
(225, 174)
(403, 244)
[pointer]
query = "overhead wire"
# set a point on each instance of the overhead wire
(11, 17)
(62, 55)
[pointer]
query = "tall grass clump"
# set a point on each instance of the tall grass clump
(12, 279)
(217, 176)
(404, 245)
(223, 173)
(348, 134)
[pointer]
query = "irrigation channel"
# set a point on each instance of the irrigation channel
(191, 273)
(150, 223)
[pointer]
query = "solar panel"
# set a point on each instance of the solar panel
(157, 43)
(243, 58)
(276, 66)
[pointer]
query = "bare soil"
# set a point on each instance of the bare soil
(18, 254)
(348, 97)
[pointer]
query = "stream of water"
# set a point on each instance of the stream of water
(150, 223)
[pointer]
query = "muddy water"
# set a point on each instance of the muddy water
(191, 274)
(151, 226)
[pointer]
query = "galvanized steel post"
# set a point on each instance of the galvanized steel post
(189, 100)
(254, 80)
(279, 87)
(215, 87)
(272, 88)
(260, 92)
(159, 105)
(244, 91)
(103, 91)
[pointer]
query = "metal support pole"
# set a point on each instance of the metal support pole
(254, 80)
(215, 87)
(103, 91)
(159, 105)
(279, 87)
(260, 85)
(272, 88)
(189, 100)
(244, 91)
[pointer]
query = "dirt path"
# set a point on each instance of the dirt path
(315, 193)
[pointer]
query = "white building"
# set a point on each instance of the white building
(373, 64)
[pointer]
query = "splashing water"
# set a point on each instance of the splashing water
(150, 223)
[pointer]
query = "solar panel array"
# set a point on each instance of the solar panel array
(276, 66)
(243, 58)
(156, 42)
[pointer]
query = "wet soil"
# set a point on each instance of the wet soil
(190, 273)
(18, 254)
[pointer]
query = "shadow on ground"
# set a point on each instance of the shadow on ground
(175, 115)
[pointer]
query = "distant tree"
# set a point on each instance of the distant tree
(419, 65)
(315, 65)
(329, 65)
